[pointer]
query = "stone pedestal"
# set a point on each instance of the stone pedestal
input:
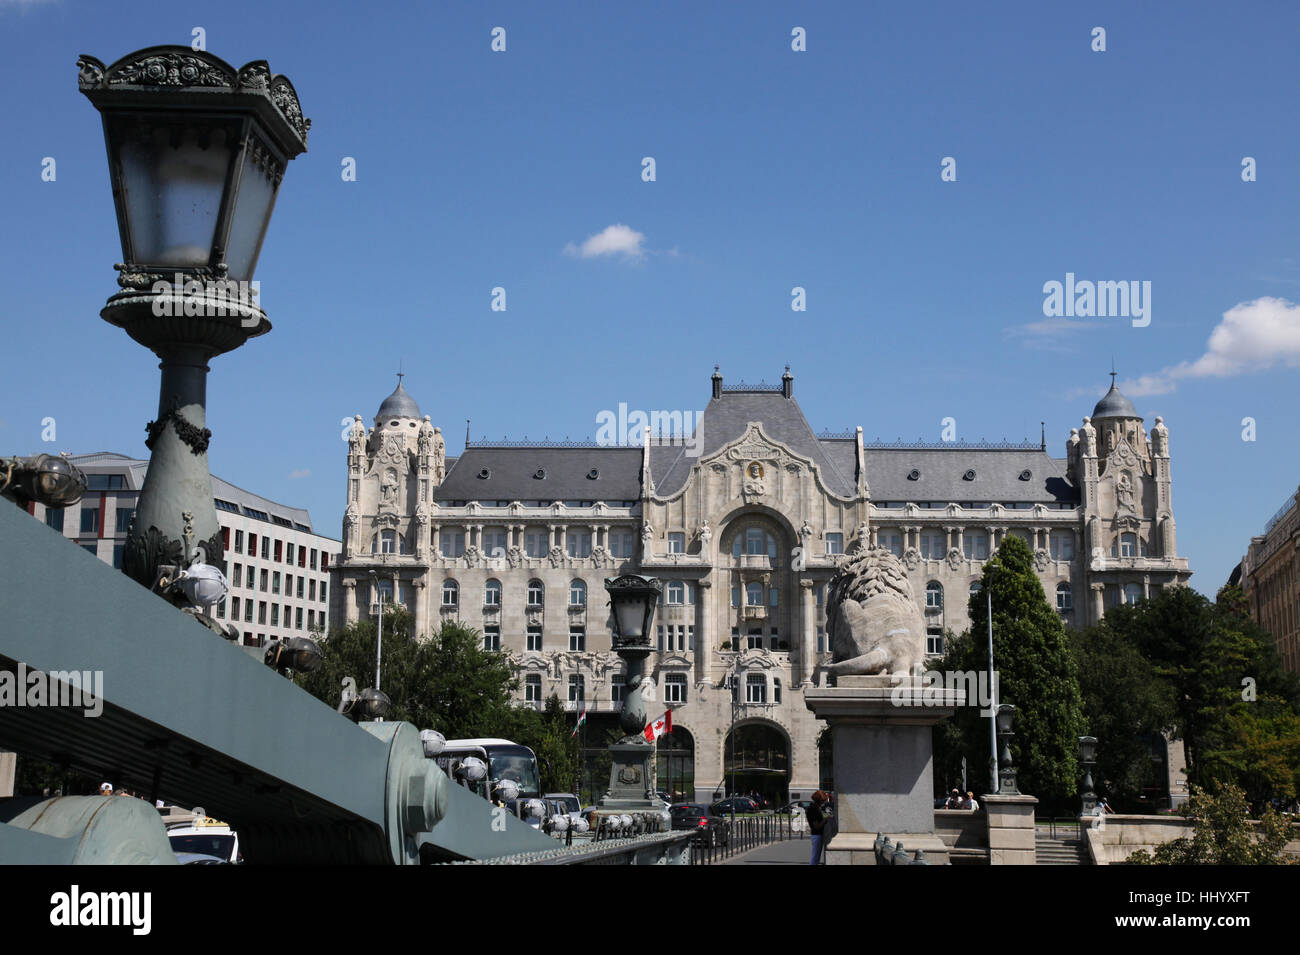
(883, 769)
(1011, 830)
(629, 778)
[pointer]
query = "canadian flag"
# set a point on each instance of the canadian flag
(659, 727)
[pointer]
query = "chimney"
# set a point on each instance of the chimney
(717, 383)
(787, 383)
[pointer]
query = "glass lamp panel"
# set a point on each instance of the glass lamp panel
(252, 215)
(172, 193)
(629, 610)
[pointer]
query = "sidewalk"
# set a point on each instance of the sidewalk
(789, 852)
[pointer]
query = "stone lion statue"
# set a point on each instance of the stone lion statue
(872, 618)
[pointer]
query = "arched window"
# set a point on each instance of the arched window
(492, 593)
(934, 595)
(1064, 597)
(577, 593)
(387, 542)
(536, 593)
(450, 593)
(676, 592)
(754, 594)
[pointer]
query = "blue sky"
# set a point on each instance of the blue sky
(775, 169)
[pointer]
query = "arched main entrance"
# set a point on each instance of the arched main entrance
(761, 762)
(675, 765)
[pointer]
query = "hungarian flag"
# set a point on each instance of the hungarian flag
(582, 718)
(659, 727)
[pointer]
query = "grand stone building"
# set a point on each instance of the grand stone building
(1269, 575)
(744, 523)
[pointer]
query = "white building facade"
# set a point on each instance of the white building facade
(744, 525)
(277, 566)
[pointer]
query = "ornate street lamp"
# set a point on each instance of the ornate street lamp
(1088, 756)
(47, 479)
(1006, 715)
(633, 599)
(196, 153)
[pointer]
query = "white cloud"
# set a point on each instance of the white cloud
(612, 240)
(1253, 336)
(301, 473)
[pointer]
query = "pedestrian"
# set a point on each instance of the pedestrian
(954, 800)
(106, 789)
(970, 803)
(816, 825)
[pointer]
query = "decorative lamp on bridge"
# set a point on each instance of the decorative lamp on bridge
(196, 153)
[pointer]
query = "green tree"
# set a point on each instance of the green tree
(1127, 706)
(1036, 674)
(448, 682)
(1222, 834)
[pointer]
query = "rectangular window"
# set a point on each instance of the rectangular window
(774, 639)
(261, 611)
(90, 519)
(616, 687)
(577, 638)
(579, 543)
(891, 541)
(660, 645)
(297, 618)
(821, 639)
(252, 544)
(677, 542)
(311, 590)
(275, 615)
(675, 688)
(234, 608)
(932, 545)
(239, 542)
(755, 688)
(119, 555)
(300, 581)
(577, 688)
(236, 575)
(248, 610)
(263, 578)
(452, 542)
(266, 547)
(495, 543)
(934, 642)
(975, 545)
(275, 582)
(312, 562)
(322, 591)
(533, 688)
(492, 638)
(311, 619)
(1062, 546)
(221, 610)
(754, 639)
(279, 551)
(537, 543)
(54, 518)
(690, 637)
(288, 557)
(534, 638)
(123, 519)
(834, 543)
(621, 543)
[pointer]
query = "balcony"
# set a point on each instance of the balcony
(753, 612)
(753, 562)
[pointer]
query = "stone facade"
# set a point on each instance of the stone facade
(1270, 577)
(745, 523)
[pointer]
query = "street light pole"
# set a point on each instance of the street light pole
(993, 689)
(379, 637)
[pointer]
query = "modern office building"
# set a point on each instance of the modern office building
(1269, 576)
(277, 566)
(745, 520)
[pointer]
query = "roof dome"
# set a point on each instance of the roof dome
(1114, 405)
(398, 405)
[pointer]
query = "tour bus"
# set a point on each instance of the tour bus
(504, 760)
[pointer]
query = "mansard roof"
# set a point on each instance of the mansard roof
(1003, 476)
(529, 473)
(726, 418)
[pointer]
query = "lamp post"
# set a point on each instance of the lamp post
(1088, 756)
(1006, 715)
(51, 480)
(379, 633)
(196, 153)
(633, 599)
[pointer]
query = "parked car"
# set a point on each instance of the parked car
(741, 804)
(800, 805)
(713, 829)
(565, 802)
(204, 840)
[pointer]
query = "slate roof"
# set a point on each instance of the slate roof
(511, 474)
(942, 470)
(1114, 405)
(398, 405)
(726, 418)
